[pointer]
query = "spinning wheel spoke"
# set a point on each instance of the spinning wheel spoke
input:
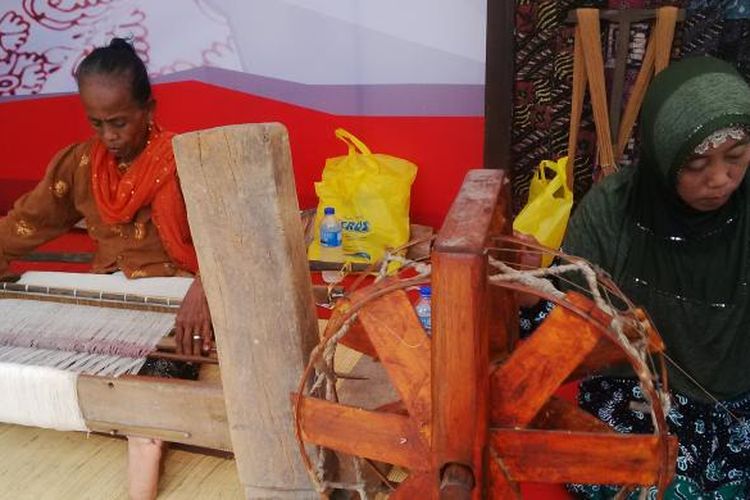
(607, 353)
(385, 437)
(559, 414)
(404, 350)
(356, 338)
(549, 456)
(522, 385)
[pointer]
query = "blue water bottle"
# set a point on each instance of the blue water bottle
(424, 308)
(331, 249)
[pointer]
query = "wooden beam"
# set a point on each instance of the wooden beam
(413, 487)
(472, 215)
(174, 410)
(579, 457)
(244, 217)
(386, 437)
(503, 308)
(460, 339)
(499, 83)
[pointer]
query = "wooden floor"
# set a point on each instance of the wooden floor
(39, 464)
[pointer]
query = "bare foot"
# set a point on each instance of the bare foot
(144, 460)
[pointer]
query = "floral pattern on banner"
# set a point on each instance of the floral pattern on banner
(43, 41)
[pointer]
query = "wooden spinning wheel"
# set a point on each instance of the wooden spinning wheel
(478, 413)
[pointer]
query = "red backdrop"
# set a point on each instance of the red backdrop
(443, 148)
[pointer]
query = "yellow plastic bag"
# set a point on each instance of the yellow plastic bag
(371, 194)
(545, 216)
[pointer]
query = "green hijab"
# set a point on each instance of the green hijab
(688, 269)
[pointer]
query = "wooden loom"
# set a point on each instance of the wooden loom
(122, 405)
(264, 328)
(477, 412)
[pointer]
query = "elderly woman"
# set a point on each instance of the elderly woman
(123, 182)
(674, 233)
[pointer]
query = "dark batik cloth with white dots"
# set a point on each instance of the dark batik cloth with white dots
(714, 438)
(169, 369)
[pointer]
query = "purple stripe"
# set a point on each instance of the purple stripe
(354, 100)
(357, 100)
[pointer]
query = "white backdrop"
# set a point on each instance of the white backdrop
(332, 42)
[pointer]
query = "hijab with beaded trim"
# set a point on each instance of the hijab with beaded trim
(688, 269)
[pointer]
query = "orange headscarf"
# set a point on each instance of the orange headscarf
(151, 179)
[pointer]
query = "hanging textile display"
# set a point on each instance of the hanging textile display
(544, 73)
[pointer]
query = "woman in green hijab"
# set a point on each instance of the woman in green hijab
(674, 233)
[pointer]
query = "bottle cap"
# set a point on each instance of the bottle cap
(425, 291)
(329, 211)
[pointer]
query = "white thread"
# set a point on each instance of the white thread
(40, 396)
(168, 287)
(81, 328)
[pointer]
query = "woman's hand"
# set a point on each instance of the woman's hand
(193, 330)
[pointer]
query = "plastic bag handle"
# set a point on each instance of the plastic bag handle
(352, 142)
(559, 180)
(541, 173)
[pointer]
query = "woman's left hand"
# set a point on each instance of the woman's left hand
(193, 330)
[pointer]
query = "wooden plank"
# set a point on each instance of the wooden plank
(503, 307)
(460, 362)
(588, 27)
(244, 217)
(559, 414)
(500, 486)
(522, 385)
(578, 91)
(52, 465)
(385, 437)
(562, 457)
(469, 220)
(174, 410)
(666, 21)
(417, 485)
(499, 83)
(404, 350)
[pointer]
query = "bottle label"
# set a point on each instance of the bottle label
(330, 238)
(426, 321)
